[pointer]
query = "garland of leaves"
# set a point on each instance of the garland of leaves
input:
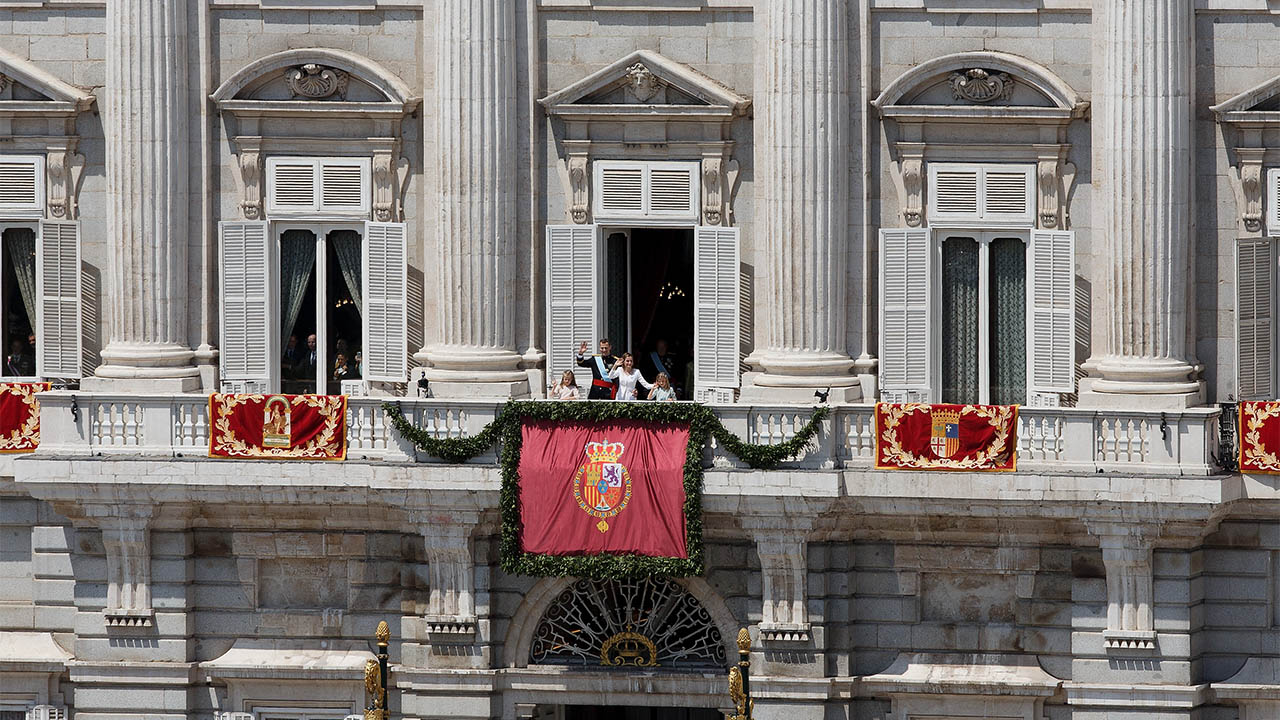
(505, 429)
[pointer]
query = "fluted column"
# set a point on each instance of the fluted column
(148, 160)
(803, 160)
(475, 112)
(1145, 204)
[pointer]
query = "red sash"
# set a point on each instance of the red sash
(613, 389)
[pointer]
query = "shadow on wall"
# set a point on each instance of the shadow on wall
(746, 296)
(91, 312)
(417, 311)
(1084, 326)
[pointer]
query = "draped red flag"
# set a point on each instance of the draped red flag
(614, 486)
(916, 436)
(1260, 437)
(280, 427)
(20, 416)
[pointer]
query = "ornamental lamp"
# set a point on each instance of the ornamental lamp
(375, 677)
(740, 680)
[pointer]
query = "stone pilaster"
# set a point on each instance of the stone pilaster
(148, 160)
(802, 193)
(475, 115)
(1145, 205)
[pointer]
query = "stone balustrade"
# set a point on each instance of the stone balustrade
(1054, 441)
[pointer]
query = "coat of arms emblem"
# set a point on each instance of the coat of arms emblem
(602, 486)
(944, 439)
(276, 422)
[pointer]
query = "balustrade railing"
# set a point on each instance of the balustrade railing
(1050, 440)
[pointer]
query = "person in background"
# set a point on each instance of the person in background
(290, 356)
(340, 370)
(662, 360)
(566, 388)
(625, 372)
(662, 390)
(19, 362)
(602, 388)
(357, 366)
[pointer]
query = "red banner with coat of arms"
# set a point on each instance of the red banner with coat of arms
(603, 487)
(278, 427)
(1260, 437)
(20, 416)
(916, 436)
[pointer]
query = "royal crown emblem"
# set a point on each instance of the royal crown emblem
(944, 439)
(602, 486)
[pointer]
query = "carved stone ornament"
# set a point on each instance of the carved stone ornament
(579, 187)
(979, 86)
(641, 82)
(712, 191)
(5, 82)
(1251, 188)
(315, 81)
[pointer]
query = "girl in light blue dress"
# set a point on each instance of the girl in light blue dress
(662, 389)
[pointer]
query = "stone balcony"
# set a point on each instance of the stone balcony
(1064, 454)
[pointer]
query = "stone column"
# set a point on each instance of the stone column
(476, 114)
(148, 160)
(803, 161)
(1144, 205)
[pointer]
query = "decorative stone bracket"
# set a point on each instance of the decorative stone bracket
(451, 614)
(719, 186)
(1127, 556)
(127, 541)
(784, 571)
(64, 169)
(1054, 177)
(1249, 194)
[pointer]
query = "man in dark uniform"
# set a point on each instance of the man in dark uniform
(602, 388)
(662, 360)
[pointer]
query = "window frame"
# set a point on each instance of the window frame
(7, 223)
(35, 211)
(984, 239)
(321, 229)
(301, 712)
(980, 219)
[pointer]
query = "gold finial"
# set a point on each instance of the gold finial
(384, 633)
(744, 641)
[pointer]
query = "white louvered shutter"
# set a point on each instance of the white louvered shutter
(1052, 294)
(716, 317)
(22, 185)
(671, 190)
(953, 192)
(906, 337)
(386, 281)
(619, 189)
(1255, 318)
(246, 344)
(999, 194)
(344, 186)
(1007, 193)
(572, 278)
(58, 287)
(47, 712)
(292, 185)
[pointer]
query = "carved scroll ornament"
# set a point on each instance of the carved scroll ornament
(980, 86)
(315, 81)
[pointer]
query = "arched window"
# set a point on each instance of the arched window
(642, 623)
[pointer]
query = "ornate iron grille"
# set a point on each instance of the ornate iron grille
(627, 623)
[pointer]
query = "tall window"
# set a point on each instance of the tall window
(322, 331)
(18, 299)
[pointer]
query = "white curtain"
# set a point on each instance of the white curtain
(347, 245)
(297, 260)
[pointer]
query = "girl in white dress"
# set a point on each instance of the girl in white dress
(625, 372)
(566, 389)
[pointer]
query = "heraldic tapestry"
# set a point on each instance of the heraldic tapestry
(278, 427)
(20, 416)
(1260, 437)
(916, 436)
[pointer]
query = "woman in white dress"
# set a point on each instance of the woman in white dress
(625, 372)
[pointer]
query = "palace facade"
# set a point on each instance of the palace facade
(1068, 205)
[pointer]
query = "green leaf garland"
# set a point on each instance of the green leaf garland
(505, 429)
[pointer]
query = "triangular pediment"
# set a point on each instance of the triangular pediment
(646, 79)
(23, 83)
(1261, 98)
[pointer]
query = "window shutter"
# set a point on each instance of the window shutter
(386, 342)
(621, 189)
(344, 185)
(1002, 194)
(58, 287)
(671, 190)
(22, 184)
(1052, 296)
(906, 337)
(716, 310)
(292, 185)
(572, 277)
(247, 361)
(1006, 193)
(953, 192)
(1255, 318)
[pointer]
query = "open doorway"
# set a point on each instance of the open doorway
(649, 300)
